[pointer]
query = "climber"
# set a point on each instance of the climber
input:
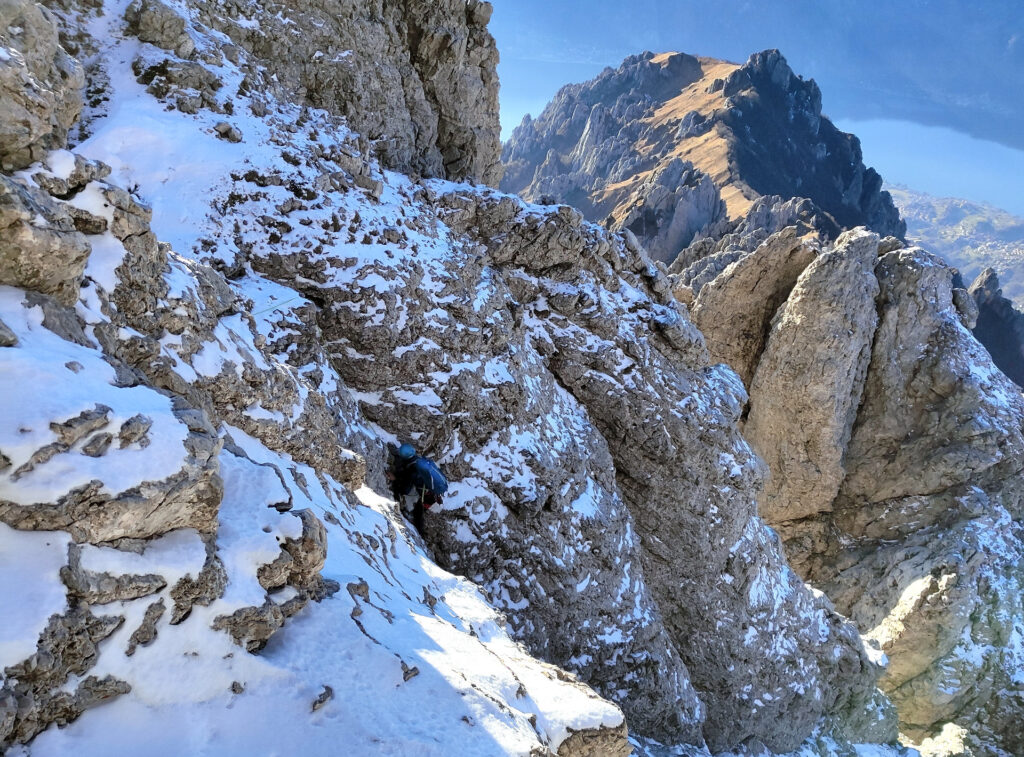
(409, 472)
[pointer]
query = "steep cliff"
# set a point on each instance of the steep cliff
(676, 148)
(896, 449)
(196, 545)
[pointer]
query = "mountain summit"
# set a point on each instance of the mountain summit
(675, 147)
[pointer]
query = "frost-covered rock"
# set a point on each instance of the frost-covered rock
(419, 78)
(257, 318)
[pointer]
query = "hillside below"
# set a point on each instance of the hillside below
(969, 235)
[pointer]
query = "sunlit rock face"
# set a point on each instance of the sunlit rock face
(896, 449)
(219, 305)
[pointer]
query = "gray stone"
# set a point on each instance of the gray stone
(48, 257)
(7, 337)
(67, 646)
(252, 627)
(734, 311)
(103, 588)
(153, 21)
(145, 634)
(419, 78)
(825, 330)
(40, 86)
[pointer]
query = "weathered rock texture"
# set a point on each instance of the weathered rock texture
(1000, 326)
(40, 85)
(896, 449)
(417, 78)
(803, 437)
(677, 148)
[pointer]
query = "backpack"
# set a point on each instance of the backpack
(430, 472)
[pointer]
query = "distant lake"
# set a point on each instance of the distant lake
(942, 162)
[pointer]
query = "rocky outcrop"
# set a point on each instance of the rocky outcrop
(735, 309)
(517, 330)
(40, 85)
(47, 256)
(895, 448)
(416, 78)
(677, 149)
(1000, 326)
(315, 307)
(803, 437)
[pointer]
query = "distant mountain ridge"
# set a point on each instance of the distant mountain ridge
(675, 148)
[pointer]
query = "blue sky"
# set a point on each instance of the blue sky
(934, 88)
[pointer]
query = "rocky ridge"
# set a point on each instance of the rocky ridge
(895, 447)
(205, 488)
(676, 148)
(1000, 325)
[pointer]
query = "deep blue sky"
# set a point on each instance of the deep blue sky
(934, 88)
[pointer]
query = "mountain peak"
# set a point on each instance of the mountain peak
(613, 147)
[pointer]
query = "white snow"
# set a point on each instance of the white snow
(173, 556)
(33, 371)
(31, 590)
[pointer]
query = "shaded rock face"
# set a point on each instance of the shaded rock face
(1000, 326)
(40, 85)
(677, 149)
(417, 78)
(895, 448)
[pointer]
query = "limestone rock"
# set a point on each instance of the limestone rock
(252, 627)
(418, 78)
(824, 330)
(103, 588)
(153, 21)
(652, 147)
(931, 396)
(40, 247)
(735, 309)
(146, 632)
(68, 646)
(201, 589)
(610, 364)
(606, 742)
(40, 85)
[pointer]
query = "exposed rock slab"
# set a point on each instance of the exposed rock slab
(824, 330)
(734, 311)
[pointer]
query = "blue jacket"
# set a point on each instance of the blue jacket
(420, 475)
